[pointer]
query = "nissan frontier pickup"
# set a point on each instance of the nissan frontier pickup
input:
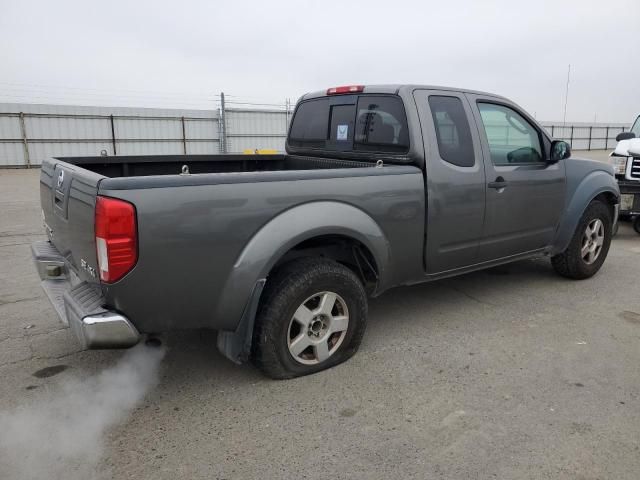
(380, 186)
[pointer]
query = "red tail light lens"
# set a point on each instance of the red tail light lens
(345, 89)
(116, 238)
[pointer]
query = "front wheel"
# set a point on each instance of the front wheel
(589, 245)
(636, 224)
(312, 317)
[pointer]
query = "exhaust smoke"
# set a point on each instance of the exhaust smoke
(61, 435)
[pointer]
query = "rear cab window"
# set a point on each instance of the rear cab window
(368, 123)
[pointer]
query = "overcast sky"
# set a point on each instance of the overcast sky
(184, 53)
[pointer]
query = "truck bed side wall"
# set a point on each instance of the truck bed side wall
(191, 237)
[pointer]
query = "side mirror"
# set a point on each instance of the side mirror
(625, 136)
(559, 151)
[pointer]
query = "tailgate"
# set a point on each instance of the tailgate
(68, 197)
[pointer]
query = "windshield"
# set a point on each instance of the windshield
(636, 127)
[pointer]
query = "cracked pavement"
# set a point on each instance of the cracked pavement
(510, 373)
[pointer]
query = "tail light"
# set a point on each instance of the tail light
(116, 238)
(345, 89)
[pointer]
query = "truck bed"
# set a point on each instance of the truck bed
(195, 231)
(147, 165)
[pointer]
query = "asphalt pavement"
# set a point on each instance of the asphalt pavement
(509, 373)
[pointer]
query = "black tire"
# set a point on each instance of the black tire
(614, 232)
(285, 291)
(636, 224)
(570, 263)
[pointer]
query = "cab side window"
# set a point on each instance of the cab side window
(452, 130)
(511, 138)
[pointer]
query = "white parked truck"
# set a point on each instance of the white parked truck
(626, 164)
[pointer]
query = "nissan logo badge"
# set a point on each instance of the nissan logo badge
(60, 178)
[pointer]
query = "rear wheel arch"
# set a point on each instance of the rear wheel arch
(341, 248)
(317, 229)
(302, 225)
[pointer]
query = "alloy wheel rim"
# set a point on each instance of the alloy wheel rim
(592, 241)
(318, 328)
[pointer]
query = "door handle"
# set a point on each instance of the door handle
(499, 183)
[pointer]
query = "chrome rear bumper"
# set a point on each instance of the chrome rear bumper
(79, 304)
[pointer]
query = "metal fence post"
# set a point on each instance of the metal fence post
(25, 142)
(286, 115)
(590, 131)
(113, 135)
(571, 138)
(184, 136)
(222, 120)
(606, 139)
(552, 129)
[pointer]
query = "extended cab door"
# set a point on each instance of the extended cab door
(455, 180)
(525, 194)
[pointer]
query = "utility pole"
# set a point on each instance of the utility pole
(223, 126)
(566, 98)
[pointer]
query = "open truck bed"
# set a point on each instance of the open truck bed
(142, 166)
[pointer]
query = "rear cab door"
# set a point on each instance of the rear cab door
(525, 195)
(455, 180)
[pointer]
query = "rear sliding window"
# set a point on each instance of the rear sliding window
(310, 125)
(376, 123)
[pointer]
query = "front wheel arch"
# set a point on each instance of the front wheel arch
(589, 244)
(596, 186)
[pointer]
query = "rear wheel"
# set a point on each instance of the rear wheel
(636, 224)
(312, 317)
(589, 245)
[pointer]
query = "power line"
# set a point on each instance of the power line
(257, 104)
(28, 93)
(112, 102)
(25, 92)
(62, 87)
(136, 94)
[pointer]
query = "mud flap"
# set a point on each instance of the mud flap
(236, 346)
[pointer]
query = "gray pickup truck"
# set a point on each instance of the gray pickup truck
(381, 186)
